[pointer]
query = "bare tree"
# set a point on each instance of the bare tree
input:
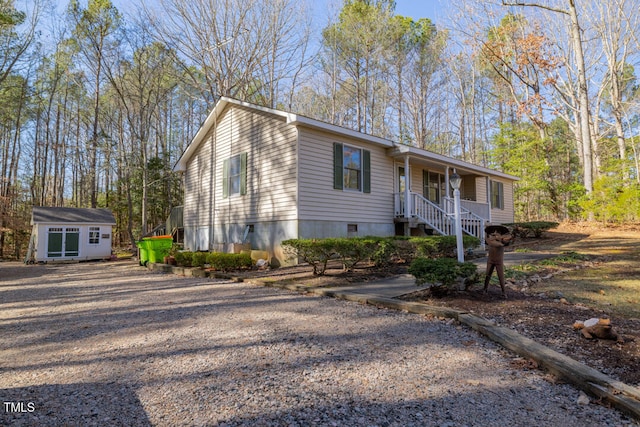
(584, 112)
(236, 48)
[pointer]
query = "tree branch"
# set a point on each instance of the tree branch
(541, 6)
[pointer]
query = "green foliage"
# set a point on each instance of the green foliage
(532, 228)
(315, 252)
(612, 201)
(183, 259)
(351, 251)
(442, 246)
(228, 262)
(198, 259)
(565, 257)
(548, 169)
(442, 271)
(217, 260)
(382, 251)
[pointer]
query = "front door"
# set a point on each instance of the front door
(402, 181)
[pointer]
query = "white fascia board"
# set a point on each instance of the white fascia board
(291, 119)
(402, 149)
(296, 120)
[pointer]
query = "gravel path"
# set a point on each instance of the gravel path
(110, 344)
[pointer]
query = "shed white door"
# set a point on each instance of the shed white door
(63, 242)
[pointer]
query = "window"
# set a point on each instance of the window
(497, 195)
(94, 235)
(433, 186)
(351, 168)
(234, 180)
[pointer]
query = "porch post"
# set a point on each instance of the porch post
(446, 181)
(488, 183)
(408, 209)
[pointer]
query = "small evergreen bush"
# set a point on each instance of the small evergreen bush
(443, 272)
(183, 259)
(229, 262)
(199, 259)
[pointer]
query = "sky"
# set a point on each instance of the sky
(414, 8)
(420, 8)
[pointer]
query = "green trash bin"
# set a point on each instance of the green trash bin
(158, 247)
(143, 251)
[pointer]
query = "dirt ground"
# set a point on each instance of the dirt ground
(545, 309)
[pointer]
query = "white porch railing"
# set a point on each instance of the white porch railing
(472, 223)
(442, 220)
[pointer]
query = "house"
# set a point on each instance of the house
(70, 234)
(261, 175)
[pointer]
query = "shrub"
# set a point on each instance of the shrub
(442, 246)
(227, 262)
(199, 259)
(183, 259)
(385, 252)
(353, 250)
(315, 252)
(382, 251)
(443, 272)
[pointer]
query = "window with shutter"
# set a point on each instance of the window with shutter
(351, 168)
(497, 195)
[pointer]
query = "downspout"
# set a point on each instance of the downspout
(214, 184)
(407, 193)
(447, 187)
(489, 197)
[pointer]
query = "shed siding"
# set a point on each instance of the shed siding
(320, 201)
(86, 251)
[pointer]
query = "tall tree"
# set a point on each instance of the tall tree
(358, 41)
(236, 48)
(93, 27)
(584, 111)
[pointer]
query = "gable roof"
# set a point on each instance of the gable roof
(71, 215)
(298, 120)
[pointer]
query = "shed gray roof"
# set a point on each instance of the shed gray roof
(72, 215)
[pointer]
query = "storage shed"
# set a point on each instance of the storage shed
(70, 234)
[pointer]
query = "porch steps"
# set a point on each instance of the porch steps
(425, 212)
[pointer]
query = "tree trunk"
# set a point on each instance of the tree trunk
(583, 99)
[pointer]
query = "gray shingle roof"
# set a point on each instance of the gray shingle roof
(72, 215)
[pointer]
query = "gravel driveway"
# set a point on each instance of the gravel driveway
(110, 344)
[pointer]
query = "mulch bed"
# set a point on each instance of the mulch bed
(550, 322)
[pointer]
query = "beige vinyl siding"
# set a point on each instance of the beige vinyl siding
(320, 201)
(506, 215)
(270, 148)
(416, 184)
(197, 203)
(481, 189)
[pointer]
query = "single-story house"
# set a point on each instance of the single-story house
(70, 234)
(261, 175)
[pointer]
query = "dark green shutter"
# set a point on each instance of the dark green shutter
(72, 243)
(243, 173)
(54, 244)
(338, 179)
(366, 171)
(225, 179)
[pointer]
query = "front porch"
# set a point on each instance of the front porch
(423, 197)
(421, 216)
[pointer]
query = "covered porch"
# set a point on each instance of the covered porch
(423, 197)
